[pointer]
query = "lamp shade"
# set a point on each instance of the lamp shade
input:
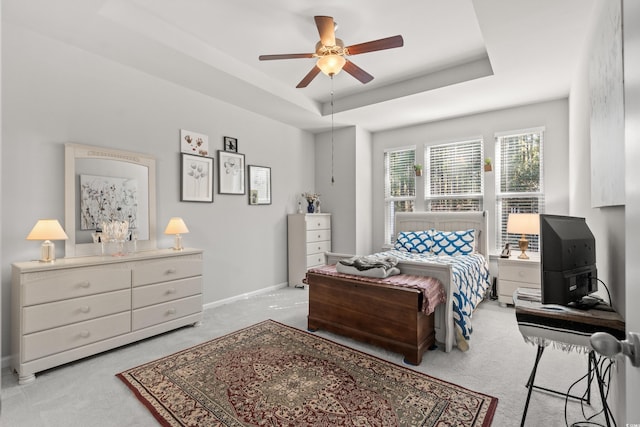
(523, 223)
(176, 226)
(47, 229)
(331, 64)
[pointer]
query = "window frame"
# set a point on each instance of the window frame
(536, 197)
(479, 196)
(389, 200)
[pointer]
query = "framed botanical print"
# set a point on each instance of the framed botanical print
(197, 178)
(259, 185)
(230, 173)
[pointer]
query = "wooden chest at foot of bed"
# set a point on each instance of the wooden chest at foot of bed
(384, 315)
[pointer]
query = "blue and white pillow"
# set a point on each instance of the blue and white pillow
(453, 242)
(414, 241)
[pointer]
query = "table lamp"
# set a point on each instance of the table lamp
(176, 226)
(47, 230)
(523, 223)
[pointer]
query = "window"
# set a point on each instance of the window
(519, 184)
(454, 180)
(399, 186)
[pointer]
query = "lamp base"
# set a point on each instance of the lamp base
(47, 251)
(177, 244)
(523, 244)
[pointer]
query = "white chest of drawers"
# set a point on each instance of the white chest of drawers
(77, 307)
(309, 237)
(514, 273)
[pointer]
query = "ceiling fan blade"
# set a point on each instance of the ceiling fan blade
(357, 72)
(382, 44)
(326, 29)
(285, 56)
(310, 76)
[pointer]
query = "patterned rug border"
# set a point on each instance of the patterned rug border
(161, 419)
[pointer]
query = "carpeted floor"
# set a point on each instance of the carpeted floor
(273, 374)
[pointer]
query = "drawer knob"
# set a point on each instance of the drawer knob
(85, 309)
(171, 291)
(171, 271)
(171, 311)
(85, 334)
(318, 224)
(85, 284)
(521, 273)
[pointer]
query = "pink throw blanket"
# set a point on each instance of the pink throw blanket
(432, 290)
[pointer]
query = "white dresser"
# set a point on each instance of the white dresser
(77, 307)
(309, 237)
(514, 273)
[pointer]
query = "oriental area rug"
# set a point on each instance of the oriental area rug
(275, 375)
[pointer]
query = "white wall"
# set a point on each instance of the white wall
(348, 199)
(607, 224)
(552, 115)
(54, 93)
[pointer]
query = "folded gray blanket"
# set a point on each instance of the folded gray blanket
(363, 263)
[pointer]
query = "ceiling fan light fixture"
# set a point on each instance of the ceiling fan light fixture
(331, 64)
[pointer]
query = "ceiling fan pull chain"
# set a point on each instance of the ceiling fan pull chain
(332, 178)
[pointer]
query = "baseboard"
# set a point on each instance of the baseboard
(243, 296)
(6, 360)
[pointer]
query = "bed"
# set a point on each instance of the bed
(391, 316)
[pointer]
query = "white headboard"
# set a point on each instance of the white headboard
(447, 221)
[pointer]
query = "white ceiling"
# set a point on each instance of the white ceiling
(459, 56)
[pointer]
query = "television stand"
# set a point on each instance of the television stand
(567, 328)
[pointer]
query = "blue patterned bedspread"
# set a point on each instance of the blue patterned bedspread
(470, 282)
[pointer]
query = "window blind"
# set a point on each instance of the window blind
(454, 178)
(519, 181)
(399, 186)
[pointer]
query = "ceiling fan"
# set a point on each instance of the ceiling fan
(331, 53)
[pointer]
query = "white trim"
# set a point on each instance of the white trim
(518, 132)
(393, 149)
(243, 296)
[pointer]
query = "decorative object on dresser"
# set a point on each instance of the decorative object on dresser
(309, 237)
(230, 173)
(177, 227)
(47, 230)
(259, 185)
(78, 307)
(302, 380)
(311, 199)
(196, 179)
(514, 273)
(523, 223)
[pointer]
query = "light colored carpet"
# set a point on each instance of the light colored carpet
(498, 364)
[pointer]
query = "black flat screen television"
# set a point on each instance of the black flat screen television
(568, 260)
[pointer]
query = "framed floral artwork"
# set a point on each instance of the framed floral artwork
(197, 178)
(230, 173)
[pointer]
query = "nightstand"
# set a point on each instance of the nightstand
(514, 273)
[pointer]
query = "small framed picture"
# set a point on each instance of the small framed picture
(194, 143)
(197, 179)
(230, 144)
(259, 185)
(230, 173)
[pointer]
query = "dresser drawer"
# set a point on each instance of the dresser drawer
(521, 272)
(38, 288)
(64, 338)
(318, 222)
(318, 247)
(318, 235)
(315, 260)
(46, 316)
(156, 314)
(154, 294)
(166, 270)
